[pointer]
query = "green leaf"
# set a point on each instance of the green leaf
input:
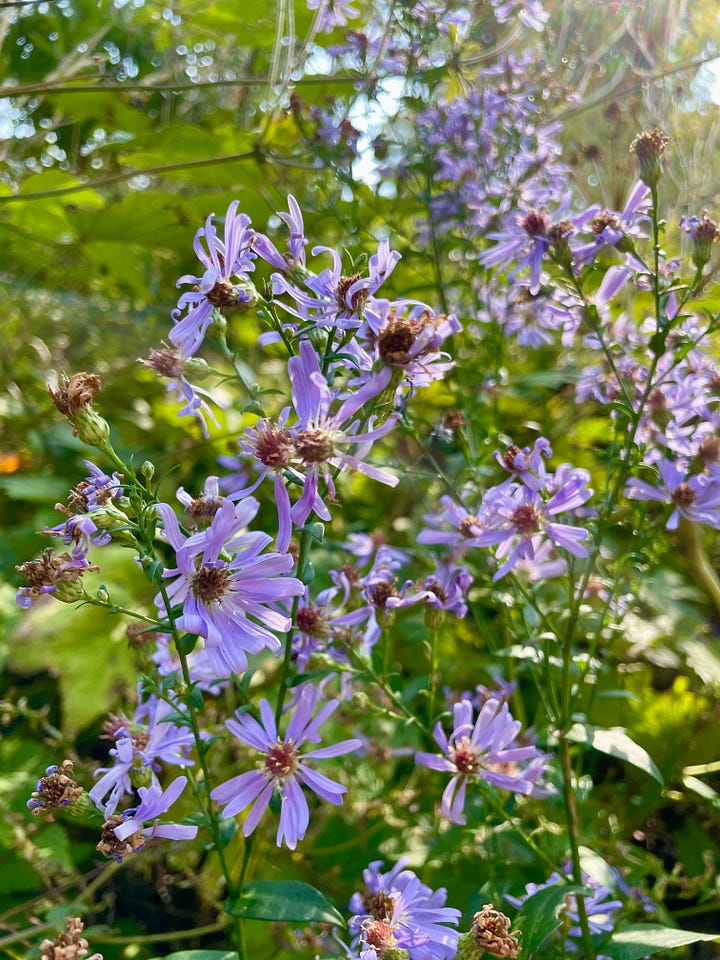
(538, 916)
(633, 941)
(616, 743)
(287, 900)
(200, 955)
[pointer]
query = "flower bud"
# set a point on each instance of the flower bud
(649, 148)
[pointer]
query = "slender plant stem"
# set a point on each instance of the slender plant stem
(574, 834)
(287, 658)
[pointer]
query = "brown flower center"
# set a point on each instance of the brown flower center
(379, 935)
(203, 509)
(395, 341)
(314, 446)
(358, 299)
(273, 447)
(683, 495)
(281, 759)
(109, 844)
(464, 756)
(222, 295)
(310, 621)
(535, 223)
(525, 520)
(381, 591)
(211, 582)
(378, 905)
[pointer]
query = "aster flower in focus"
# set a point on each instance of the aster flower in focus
(224, 284)
(696, 498)
(397, 911)
(295, 257)
(283, 768)
(229, 590)
(128, 833)
(484, 750)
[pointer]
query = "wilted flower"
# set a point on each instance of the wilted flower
(56, 789)
(127, 834)
(70, 945)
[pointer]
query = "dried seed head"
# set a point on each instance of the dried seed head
(70, 945)
(314, 446)
(491, 932)
(75, 392)
(56, 789)
(109, 844)
(168, 363)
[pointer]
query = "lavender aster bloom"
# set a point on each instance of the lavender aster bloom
(598, 906)
(319, 434)
(695, 498)
(284, 767)
(154, 802)
(295, 257)
(397, 911)
(484, 750)
(516, 515)
(140, 744)
(215, 289)
(233, 602)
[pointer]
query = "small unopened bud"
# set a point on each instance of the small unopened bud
(147, 470)
(102, 594)
(703, 231)
(649, 148)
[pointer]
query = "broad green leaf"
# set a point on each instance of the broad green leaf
(538, 916)
(638, 940)
(200, 955)
(616, 743)
(288, 900)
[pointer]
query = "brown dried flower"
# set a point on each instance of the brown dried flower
(491, 932)
(70, 945)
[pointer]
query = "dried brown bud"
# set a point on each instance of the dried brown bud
(491, 932)
(57, 789)
(70, 945)
(75, 393)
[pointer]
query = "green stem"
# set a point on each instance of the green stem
(574, 834)
(698, 562)
(287, 659)
(492, 800)
(163, 937)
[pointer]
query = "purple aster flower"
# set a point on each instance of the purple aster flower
(599, 907)
(397, 911)
(409, 343)
(319, 434)
(173, 365)
(230, 592)
(332, 13)
(532, 240)
(284, 768)
(515, 516)
(335, 298)
(295, 257)
(141, 743)
(525, 464)
(617, 229)
(696, 498)
(484, 750)
(216, 288)
(126, 834)
(317, 622)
